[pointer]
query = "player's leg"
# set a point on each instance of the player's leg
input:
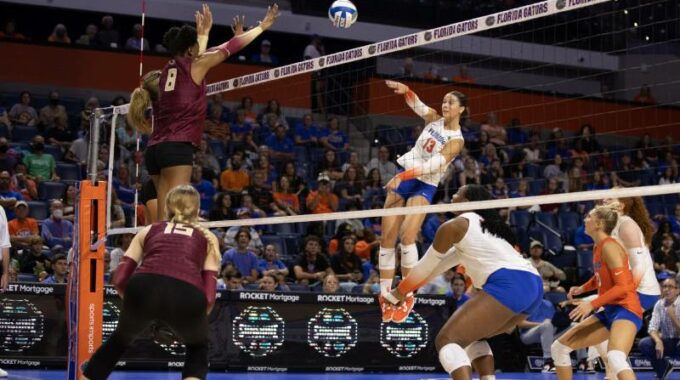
(481, 356)
(621, 339)
(408, 234)
(587, 333)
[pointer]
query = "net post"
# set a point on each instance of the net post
(85, 291)
(92, 157)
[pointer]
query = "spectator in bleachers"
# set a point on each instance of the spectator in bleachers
(8, 198)
(53, 112)
(346, 264)
(552, 187)
(558, 144)
(125, 190)
(89, 38)
(456, 289)
(663, 341)
(41, 166)
(625, 174)
(374, 192)
(668, 177)
(306, 132)
(230, 280)
(297, 183)
(23, 230)
(407, 70)
(8, 158)
(262, 196)
(650, 152)
(497, 133)
(9, 32)
(349, 189)
(59, 35)
(674, 219)
(534, 152)
(331, 284)
(463, 75)
(242, 130)
(588, 139)
(265, 55)
(249, 114)
(575, 179)
(69, 201)
(354, 162)
(59, 270)
(77, 152)
(492, 172)
(22, 183)
(285, 199)
(255, 244)
(23, 113)
(206, 159)
(205, 189)
(645, 96)
(116, 211)
(432, 73)
(385, 166)
(136, 41)
(550, 274)
(605, 161)
(235, 178)
(217, 125)
(32, 260)
(330, 165)
(521, 191)
(280, 145)
(666, 258)
(56, 230)
(107, 36)
(372, 285)
(538, 328)
(270, 264)
(470, 173)
(242, 257)
(439, 285)
(222, 208)
(248, 204)
(4, 117)
(577, 150)
(332, 137)
(274, 107)
(60, 135)
(322, 200)
(500, 189)
(311, 265)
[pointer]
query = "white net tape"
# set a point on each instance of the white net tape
(422, 38)
(443, 208)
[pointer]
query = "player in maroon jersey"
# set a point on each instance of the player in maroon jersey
(175, 284)
(180, 110)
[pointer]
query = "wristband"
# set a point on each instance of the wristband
(202, 44)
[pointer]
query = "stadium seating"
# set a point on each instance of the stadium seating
(48, 190)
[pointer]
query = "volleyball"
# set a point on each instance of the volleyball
(343, 13)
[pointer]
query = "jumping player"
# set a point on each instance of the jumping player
(439, 143)
(510, 287)
(179, 117)
(173, 285)
(621, 317)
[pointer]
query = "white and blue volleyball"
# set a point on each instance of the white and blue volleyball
(343, 13)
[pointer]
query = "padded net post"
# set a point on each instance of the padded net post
(86, 276)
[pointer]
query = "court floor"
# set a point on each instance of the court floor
(60, 375)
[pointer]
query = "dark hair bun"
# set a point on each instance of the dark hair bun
(179, 40)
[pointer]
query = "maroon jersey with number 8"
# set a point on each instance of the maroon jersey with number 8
(175, 250)
(181, 109)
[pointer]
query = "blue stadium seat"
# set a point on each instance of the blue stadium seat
(522, 237)
(55, 151)
(292, 243)
(316, 154)
(553, 242)
(23, 133)
(218, 150)
(568, 222)
(277, 242)
(26, 277)
(584, 264)
(298, 287)
(301, 155)
(547, 218)
(48, 190)
(38, 210)
(520, 218)
(567, 258)
(536, 186)
(68, 172)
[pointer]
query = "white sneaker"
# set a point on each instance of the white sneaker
(3, 373)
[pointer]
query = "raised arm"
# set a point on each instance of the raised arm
(421, 109)
(216, 55)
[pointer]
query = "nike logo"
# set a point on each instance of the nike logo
(617, 273)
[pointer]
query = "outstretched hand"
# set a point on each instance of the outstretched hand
(204, 21)
(270, 17)
(399, 88)
(238, 25)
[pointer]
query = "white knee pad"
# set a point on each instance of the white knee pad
(478, 349)
(488, 377)
(452, 357)
(386, 259)
(617, 361)
(409, 255)
(560, 354)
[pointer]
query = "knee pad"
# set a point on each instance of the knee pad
(487, 377)
(409, 255)
(617, 361)
(478, 349)
(560, 354)
(452, 357)
(386, 259)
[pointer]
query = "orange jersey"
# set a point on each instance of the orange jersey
(606, 280)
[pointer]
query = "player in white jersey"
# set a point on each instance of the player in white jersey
(511, 288)
(439, 143)
(634, 231)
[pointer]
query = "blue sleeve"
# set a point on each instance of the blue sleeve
(323, 132)
(345, 140)
(288, 147)
(261, 265)
(226, 257)
(280, 264)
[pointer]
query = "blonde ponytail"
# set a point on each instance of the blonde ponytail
(141, 99)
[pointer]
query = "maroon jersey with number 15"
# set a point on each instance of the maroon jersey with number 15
(181, 107)
(175, 250)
